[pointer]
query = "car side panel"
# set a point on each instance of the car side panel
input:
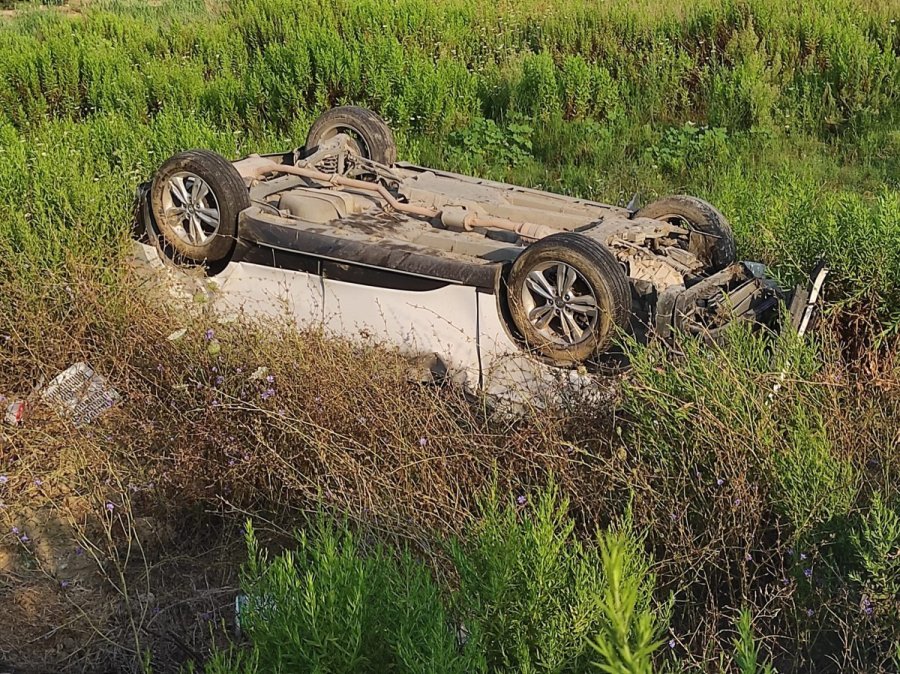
(264, 291)
(442, 321)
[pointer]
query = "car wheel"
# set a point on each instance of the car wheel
(370, 136)
(567, 297)
(196, 198)
(717, 249)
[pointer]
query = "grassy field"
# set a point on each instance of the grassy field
(748, 531)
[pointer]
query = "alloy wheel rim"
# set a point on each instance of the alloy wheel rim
(559, 303)
(191, 207)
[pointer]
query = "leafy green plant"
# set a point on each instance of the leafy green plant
(876, 543)
(746, 649)
(528, 598)
(745, 95)
(334, 605)
(689, 145)
(528, 588)
(873, 565)
(486, 141)
(629, 633)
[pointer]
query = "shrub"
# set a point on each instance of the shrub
(336, 604)
(527, 597)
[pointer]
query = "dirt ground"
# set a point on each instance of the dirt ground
(89, 577)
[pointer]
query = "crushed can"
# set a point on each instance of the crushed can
(14, 412)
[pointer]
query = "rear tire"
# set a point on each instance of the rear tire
(369, 132)
(568, 296)
(718, 248)
(196, 198)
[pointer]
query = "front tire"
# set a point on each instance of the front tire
(196, 197)
(717, 248)
(568, 296)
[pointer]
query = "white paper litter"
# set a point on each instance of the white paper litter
(80, 394)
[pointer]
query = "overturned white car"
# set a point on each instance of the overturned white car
(340, 234)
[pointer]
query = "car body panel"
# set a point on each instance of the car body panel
(457, 325)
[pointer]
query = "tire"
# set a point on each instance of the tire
(702, 217)
(370, 132)
(227, 196)
(597, 273)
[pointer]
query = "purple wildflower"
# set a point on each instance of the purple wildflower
(24, 538)
(802, 555)
(807, 573)
(220, 380)
(810, 612)
(671, 643)
(210, 334)
(64, 584)
(521, 500)
(38, 482)
(720, 482)
(737, 501)
(79, 550)
(3, 479)
(268, 393)
(423, 442)
(270, 378)
(15, 530)
(867, 606)
(110, 506)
